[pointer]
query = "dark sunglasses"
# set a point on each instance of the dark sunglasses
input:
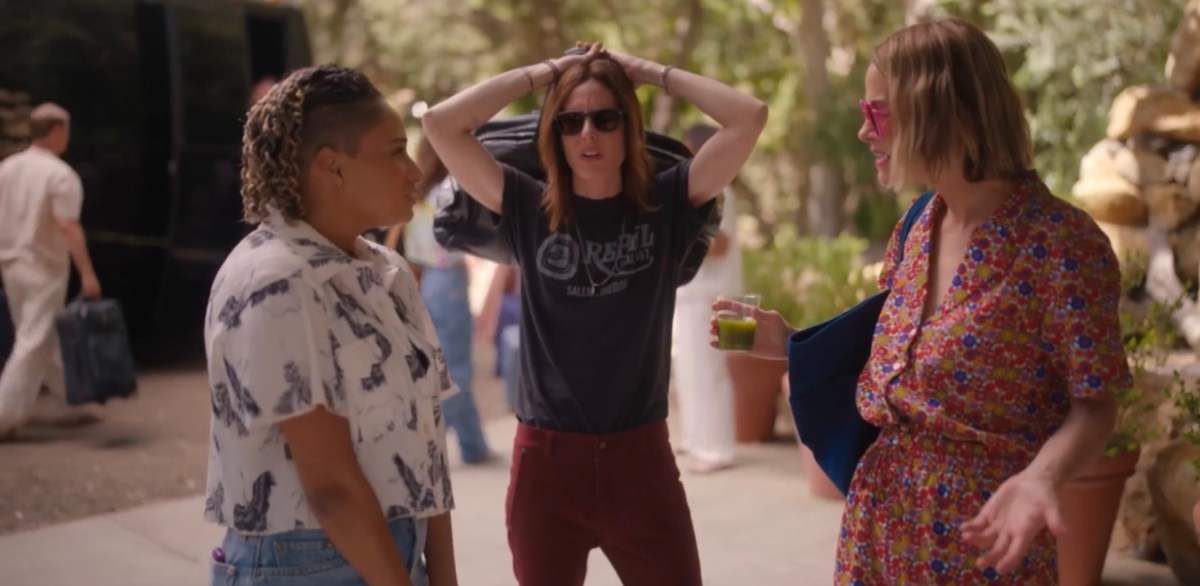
(876, 116)
(606, 120)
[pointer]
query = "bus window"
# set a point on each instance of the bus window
(212, 68)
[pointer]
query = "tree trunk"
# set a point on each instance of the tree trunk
(328, 22)
(745, 193)
(544, 20)
(688, 29)
(826, 184)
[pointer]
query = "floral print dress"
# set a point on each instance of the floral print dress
(967, 399)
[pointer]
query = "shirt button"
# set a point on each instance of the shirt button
(603, 445)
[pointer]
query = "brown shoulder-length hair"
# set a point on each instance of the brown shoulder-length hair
(950, 95)
(635, 170)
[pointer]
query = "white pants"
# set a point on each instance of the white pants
(705, 391)
(35, 296)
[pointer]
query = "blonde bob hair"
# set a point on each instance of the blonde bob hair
(952, 103)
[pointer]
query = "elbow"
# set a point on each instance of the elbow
(439, 125)
(69, 227)
(1105, 412)
(328, 498)
(1109, 416)
(759, 113)
(432, 123)
(1099, 414)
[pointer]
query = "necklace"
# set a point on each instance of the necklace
(583, 255)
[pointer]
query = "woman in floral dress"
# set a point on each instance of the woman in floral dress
(996, 359)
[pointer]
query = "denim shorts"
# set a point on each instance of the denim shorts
(306, 557)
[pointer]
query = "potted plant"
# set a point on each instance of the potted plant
(1090, 501)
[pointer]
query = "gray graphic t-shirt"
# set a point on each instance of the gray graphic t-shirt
(597, 303)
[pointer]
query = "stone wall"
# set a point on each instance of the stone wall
(14, 121)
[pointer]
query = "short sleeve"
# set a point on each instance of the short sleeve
(520, 207)
(273, 359)
(688, 221)
(1081, 328)
(66, 194)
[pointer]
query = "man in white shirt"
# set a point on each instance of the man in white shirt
(40, 234)
(705, 390)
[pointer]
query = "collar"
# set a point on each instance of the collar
(324, 257)
(42, 151)
(994, 247)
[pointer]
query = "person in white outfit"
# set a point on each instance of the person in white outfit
(40, 234)
(704, 387)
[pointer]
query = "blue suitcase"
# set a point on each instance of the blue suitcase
(7, 331)
(97, 359)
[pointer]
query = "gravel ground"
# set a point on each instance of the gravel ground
(149, 448)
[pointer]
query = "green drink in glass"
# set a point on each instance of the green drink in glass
(735, 327)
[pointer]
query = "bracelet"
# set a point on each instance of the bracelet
(663, 80)
(553, 68)
(529, 76)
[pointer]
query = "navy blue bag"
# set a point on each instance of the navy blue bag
(824, 363)
(97, 359)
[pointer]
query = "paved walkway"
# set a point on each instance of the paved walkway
(757, 526)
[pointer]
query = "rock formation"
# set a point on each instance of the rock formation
(1142, 185)
(1172, 484)
(1142, 182)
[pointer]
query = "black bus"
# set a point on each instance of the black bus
(157, 91)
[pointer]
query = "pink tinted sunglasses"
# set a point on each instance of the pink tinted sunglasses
(876, 115)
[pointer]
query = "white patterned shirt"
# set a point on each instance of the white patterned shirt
(293, 322)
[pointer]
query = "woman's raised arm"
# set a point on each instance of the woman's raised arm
(450, 125)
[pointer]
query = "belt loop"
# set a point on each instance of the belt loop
(262, 553)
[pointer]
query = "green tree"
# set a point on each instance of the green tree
(1070, 58)
(806, 58)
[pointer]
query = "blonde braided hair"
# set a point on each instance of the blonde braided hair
(312, 108)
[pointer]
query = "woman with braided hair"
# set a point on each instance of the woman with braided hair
(327, 461)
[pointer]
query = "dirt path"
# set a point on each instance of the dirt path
(150, 448)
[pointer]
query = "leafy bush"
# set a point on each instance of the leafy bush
(1069, 59)
(1187, 399)
(875, 217)
(808, 279)
(1148, 338)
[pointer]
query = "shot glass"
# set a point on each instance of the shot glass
(736, 326)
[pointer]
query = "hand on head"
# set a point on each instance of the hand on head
(584, 52)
